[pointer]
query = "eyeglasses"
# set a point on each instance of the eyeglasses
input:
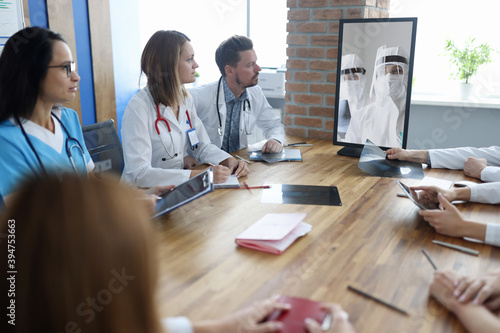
(70, 68)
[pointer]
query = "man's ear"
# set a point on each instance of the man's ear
(229, 70)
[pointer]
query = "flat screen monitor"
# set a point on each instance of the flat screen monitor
(374, 76)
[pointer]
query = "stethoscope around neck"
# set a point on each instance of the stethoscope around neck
(160, 118)
(67, 145)
(246, 117)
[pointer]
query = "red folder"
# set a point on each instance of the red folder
(294, 319)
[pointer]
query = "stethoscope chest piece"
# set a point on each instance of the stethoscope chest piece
(219, 130)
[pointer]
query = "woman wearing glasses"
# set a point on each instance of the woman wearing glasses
(160, 126)
(37, 136)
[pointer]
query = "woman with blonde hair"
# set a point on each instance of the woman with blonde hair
(160, 126)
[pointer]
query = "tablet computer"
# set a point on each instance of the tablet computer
(185, 192)
(417, 200)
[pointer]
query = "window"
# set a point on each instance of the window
(208, 23)
(457, 20)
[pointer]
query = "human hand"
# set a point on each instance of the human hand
(474, 166)
(419, 156)
(272, 146)
(340, 322)
(447, 220)
(250, 320)
(157, 190)
(482, 290)
(429, 194)
(442, 288)
(237, 167)
(189, 162)
(221, 173)
(150, 195)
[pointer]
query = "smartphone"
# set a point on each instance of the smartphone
(417, 200)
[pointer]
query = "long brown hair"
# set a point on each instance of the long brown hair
(84, 255)
(160, 61)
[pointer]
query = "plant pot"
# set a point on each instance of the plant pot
(465, 91)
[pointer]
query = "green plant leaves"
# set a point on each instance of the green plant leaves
(468, 59)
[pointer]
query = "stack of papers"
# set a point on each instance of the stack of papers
(231, 182)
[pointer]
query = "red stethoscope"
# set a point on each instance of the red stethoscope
(160, 118)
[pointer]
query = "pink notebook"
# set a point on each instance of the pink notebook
(274, 233)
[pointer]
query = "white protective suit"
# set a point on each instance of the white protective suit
(383, 120)
(260, 114)
(352, 90)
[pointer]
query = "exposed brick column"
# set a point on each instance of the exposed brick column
(313, 27)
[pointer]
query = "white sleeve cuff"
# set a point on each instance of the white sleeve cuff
(490, 174)
(177, 325)
(492, 234)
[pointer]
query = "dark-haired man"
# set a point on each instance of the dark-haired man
(231, 107)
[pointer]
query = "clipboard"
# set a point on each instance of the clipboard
(185, 192)
(286, 155)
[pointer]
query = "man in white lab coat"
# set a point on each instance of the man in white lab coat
(231, 107)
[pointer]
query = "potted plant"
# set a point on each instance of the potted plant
(467, 61)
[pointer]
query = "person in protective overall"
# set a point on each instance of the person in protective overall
(382, 121)
(352, 90)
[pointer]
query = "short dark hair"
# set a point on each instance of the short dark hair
(228, 52)
(23, 65)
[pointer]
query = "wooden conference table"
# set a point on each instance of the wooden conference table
(373, 242)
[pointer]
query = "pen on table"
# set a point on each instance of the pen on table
(241, 158)
(377, 300)
(457, 247)
(251, 187)
(297, 143)
(430, 260)
(248, 187)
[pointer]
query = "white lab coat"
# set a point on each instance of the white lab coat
(260, 114)
(489, 193)
(454, 158)
(147, 163)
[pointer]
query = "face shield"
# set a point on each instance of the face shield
(352, 78)
(391, 73)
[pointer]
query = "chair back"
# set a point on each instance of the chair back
(104, 147)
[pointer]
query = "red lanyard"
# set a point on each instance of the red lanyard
(189, 119)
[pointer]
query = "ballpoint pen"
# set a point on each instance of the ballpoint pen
(457, 247)
(376, 299)
(241, 158)
(430, 260)
(297, 143)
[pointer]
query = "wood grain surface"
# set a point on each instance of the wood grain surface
(372, 242)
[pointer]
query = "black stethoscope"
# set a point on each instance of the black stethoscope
(67, 144)
(245, 103)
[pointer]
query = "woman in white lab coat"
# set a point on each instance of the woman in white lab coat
(160, 123)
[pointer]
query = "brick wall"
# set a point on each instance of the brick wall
(313, 27)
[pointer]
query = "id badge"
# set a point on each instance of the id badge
(193, 138)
